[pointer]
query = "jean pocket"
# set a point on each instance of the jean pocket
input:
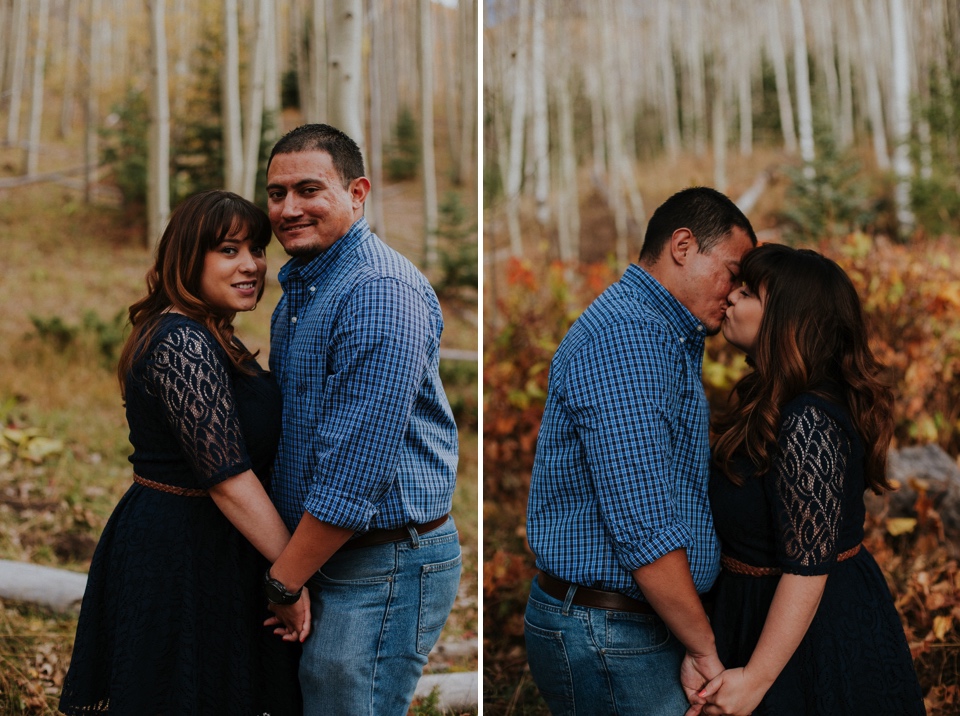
(550, 666)
(439, 583)
(626, 633)
(361, 566)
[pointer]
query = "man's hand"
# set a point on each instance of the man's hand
(292, 621)
(695, 672)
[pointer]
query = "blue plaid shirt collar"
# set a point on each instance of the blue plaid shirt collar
(313, 270)
(691, 331)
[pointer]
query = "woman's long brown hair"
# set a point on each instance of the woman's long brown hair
(198, 225)
(812, 338)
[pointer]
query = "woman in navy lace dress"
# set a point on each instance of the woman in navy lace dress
(172, 618)
(804, 620)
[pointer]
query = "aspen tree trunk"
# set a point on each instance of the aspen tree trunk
(745, 98)
(802, 79)
(597, 121)
(375, 155)
(697, 79)
(540, 126)
(779, 60)
(6, 29)
(614, 131)
(450, 89)
(345, 69)
(467, 13)
(17, 68)
(70, 66)
(36, 93)
(517, 121)
(872, 83)
(430, 212)
(568, 213)
(322, 104)
(230, 93)
(253, 130)
(671, 115)
(902, 166)
(91, 112)
(845, 70)
(271, 75)
(158, 165)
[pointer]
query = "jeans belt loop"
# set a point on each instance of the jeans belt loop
(568, 602)
(414, 537)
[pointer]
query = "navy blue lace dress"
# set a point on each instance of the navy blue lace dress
(808, 510)
(171, 621)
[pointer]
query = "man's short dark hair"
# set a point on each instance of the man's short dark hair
(709, 215)
(346, 155)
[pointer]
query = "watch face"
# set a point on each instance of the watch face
(276, 593)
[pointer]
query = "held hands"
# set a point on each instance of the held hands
(292, 621)
(732, 693)
(695, 672)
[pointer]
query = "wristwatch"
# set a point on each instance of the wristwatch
(277, 593)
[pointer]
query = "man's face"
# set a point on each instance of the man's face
(308, 205)
(710, 278)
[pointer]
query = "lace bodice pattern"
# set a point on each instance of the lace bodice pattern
(809, 475)
(188, 386)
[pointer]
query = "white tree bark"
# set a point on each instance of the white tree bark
(319, 75)
(802, 81)
(517, 126)
(253, 129)
(17, 68)
(91, 119)
(778, 58)
(872, 88)
(375, 154)
(568, 199)
(902, 166)
(36, 93)
(539, 127)
(158, 165)
(271, 79)
(845, 71)
(469, 101)
(70, 66)
(430, 211)
(345, 69)
(230, 93)
(668, 85)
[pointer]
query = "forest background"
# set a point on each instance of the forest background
(112, 111)
(833, 124)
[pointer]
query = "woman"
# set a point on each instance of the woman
(804, 621)
(172, 618)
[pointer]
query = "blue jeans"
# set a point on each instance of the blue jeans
(377, 612)
(596, 661)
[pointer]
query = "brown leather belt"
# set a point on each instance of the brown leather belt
(170, 489)
(588, 597)
(375, 537)
(737, 567)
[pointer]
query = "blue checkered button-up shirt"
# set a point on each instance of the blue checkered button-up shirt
(368, 439)
(622, 464)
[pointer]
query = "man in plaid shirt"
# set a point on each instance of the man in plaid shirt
(366, 466)
(618, 515)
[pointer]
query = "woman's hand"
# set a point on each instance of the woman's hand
(292, 621)
(733, 693)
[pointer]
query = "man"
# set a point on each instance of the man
(618, 515)
(366, 465)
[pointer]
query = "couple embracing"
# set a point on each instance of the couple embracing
(695, 568)
(320, 489)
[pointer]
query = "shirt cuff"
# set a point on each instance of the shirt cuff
(340, 510)
(633, 555)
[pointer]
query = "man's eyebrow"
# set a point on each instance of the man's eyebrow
(301, 183)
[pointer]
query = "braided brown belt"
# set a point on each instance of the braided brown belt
(171, 489)
(738, 567)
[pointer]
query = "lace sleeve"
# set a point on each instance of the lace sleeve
(807, 486)
(187, 372)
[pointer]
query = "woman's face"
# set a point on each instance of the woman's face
(233, 273)
(742, 322)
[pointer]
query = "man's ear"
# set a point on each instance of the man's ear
(359, 189)
(682, 243)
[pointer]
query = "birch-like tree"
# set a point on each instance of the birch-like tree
(902, 166)
(345, 69)
(36, 93)
(429, 168)
(158, 165)
(230, 100)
